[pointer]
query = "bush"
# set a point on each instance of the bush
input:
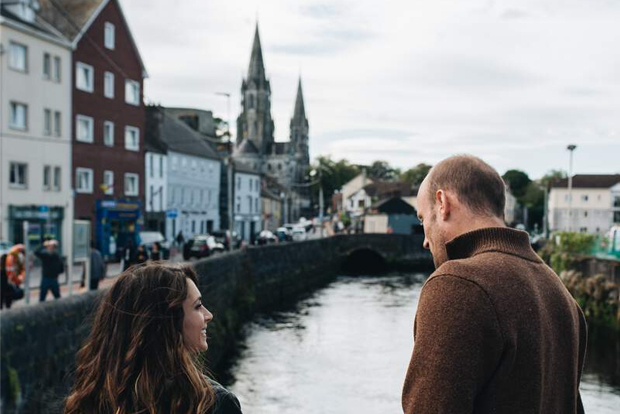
(564, 250)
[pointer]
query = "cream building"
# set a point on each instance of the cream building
(35, 132)
(595, 204)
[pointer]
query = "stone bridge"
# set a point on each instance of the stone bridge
(39, 342)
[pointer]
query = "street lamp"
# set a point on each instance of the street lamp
(229, 174)
(571, 148)
(321, 200)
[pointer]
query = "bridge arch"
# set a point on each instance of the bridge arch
(364, 261)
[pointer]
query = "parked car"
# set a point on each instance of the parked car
(222, 237)
(284, 234)
(266, 237)
(299, 234)
(147, 238)
(203, 246)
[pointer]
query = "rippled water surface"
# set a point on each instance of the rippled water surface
(345, 349)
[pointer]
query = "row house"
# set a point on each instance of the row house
(592, 205)
(107, 118)
(186, 177)
(35, 129)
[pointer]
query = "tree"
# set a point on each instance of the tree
(551, 176)
(517, 181)
(333, 176)
(416, 175)
(381, 170)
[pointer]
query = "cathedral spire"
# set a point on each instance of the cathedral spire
(256, 71)
(300, 110)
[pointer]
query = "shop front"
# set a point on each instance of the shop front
(44, 222)
(118, 221)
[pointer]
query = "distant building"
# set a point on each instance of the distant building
(256, 147)
(156, 182)
(107, 118)
(595, 204)
(35, 129)
(352, 187)
(392, 215)
(247, 202)
(511, 208)
(192, 176)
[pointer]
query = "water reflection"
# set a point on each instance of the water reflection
(346, 349)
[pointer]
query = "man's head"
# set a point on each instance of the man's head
(50, 245)
(460, 194)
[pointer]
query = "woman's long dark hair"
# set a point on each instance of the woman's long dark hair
(134, 360)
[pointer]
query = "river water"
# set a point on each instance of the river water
(345, 349)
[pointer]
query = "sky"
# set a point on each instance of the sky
(513, 82)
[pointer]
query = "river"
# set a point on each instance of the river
(345, 349)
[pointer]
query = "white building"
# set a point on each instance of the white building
(595, 204)
(352, 187)
(156, 189)
(192, 179)
(247, 203)
(35, 130)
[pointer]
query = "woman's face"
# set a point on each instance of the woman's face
(195, 319)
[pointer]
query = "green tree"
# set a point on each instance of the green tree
(382, 170)
(416, 175)
(552, 176)
(334, 174)
(518, 182)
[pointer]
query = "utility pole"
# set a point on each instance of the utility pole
(571, 148)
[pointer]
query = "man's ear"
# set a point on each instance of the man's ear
(444, 203)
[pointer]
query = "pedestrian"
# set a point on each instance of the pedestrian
(142, 353)
(16, 265)
(51, 267)
(98, 268)
(180, 239)
(9, 292)
(156, 251)
(142, 255)
(496, 331)
(129, 254)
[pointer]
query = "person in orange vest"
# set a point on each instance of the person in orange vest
(15, 265)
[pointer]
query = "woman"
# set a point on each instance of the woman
(142, 353)
(142, 256)
(156, 252)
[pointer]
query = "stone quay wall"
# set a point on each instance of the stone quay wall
(39, 343)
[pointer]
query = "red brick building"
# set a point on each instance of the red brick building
(108, 118)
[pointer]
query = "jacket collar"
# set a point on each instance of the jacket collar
(491, 239)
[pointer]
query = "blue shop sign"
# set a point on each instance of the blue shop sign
(172, 213)
(118, 209)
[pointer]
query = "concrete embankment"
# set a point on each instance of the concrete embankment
(39, 342)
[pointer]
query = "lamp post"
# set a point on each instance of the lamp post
(570, 148)
(229, 173)
(321, 198)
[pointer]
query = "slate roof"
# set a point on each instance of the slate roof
(256, 69)
(246, 147)
(300, 110)
(244, 168)
(39, 24)
(175, 135)
(589, 181)
(393, 205)
(385, 189)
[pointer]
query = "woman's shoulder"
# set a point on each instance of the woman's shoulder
(225, 401)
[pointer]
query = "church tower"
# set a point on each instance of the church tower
(255, 123)
(299, 134)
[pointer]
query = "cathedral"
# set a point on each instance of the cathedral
(286, 162)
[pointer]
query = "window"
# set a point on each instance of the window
(108, 133)
(131, 184)
(56, 183)
(108, 85)
(57, 69)
(132, 138)
(584, 198)
(19, 116)
(250, 203)
(238, 204)
(108, 35)
(84, 180)
(585, 214)
(108, 182)
(18, 56)
(84, 77)
(84, 131)
(57, 121)
(132, 92)
(47, 66)
(616, 216)
(238, 183)
(151, 167)
(256, 204)
(47, 122)
(161, 198)
(18, 175)
(617, 201)
(47, 177)
(161, 166)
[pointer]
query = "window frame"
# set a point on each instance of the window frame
(89, 79)
(108, 84)
(107, 124)
(90, 173)
(91, 129)
(109, 35)
(108, 180)
(12, 125)
(57, 69)
(47, 178)
(137, 187)
(57, 179)
(57, 123)
(47, 66)
(24, 175)
(12, 44)
(129, 128)
(134, 86)
(47, 122)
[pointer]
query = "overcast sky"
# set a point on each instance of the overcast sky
(412, 81)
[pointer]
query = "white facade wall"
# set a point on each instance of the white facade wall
(193, 190)
(34, 146)
(353, 186)
(155, 182)
(247, 204)
(592, 210)
(358, 202)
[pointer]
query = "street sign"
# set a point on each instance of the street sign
(172, 213)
